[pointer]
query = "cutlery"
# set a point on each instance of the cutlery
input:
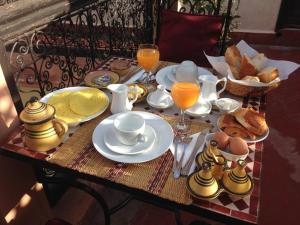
(200, 140)
(178, 165)
(176, 173)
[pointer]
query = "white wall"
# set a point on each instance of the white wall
(258, 16)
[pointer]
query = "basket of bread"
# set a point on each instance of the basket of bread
(245, 123)
(249, 72)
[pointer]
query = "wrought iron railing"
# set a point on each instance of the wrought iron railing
(61, 53)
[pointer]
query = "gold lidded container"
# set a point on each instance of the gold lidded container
(237, 181)
(220, 164)
(202, 184)
(42, 131)
(208, 154)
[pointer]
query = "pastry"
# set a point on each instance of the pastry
(247, 67)
(251, 120)
(233, 128)
(268, 74)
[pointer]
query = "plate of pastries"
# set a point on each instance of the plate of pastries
(251, 69)
(245, 123)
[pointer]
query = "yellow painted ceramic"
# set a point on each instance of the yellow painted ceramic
(60, 101)
(88, 101)
(202, 184)
(42, 131)
(101, 78)
(207, 154)
(237, 181)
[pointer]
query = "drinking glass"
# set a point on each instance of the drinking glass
(148, 58)
(185, 95)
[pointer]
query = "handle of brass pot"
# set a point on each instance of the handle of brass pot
(60, 127)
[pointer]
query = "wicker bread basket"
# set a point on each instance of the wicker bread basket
(243, 90)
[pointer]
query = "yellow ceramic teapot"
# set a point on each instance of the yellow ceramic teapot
(42, 131)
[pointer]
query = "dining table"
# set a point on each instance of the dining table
(150, 181)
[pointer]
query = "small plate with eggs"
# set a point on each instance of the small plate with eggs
(232, 148)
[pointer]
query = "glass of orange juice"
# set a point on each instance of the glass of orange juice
(184, 95)
(148, 58)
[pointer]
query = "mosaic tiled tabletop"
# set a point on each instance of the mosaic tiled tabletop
(77, 153)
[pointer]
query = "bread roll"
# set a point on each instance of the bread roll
(258, 61)
(233, 56)
(254, 78)
(247, 67)
(268, 74)
(251, 120)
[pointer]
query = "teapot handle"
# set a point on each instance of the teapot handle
(60, 127)
(224, 79)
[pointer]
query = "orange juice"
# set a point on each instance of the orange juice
(185, 94)
(148, 58)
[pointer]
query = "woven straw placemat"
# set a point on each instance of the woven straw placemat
(155, 176)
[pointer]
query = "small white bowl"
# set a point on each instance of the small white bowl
(227, 104)
(227, 155)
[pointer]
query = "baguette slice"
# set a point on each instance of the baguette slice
(268, 74)
(258, 61)
(233, 56)
(247, 67)
(251, 120)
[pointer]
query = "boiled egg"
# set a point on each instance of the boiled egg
(238, 146)
(222, 139)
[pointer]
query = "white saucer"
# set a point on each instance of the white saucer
(112, 142)
(201, 108)
(160, 146)
(163, 78)
(166, 103)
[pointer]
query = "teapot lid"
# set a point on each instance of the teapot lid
(36, 112)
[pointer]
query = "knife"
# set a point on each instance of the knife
(200, 140)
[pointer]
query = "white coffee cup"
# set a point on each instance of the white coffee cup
(187, 71)
(129, 128)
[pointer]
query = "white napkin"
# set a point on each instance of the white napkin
(135, 77)
(188, 151)
(285, 67)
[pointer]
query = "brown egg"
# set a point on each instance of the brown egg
(238, 146)
(222, 139)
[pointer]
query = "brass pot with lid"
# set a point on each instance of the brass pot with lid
(42, 131)
(237, 181)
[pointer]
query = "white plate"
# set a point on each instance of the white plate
(160, 146)
(201, 108)
(112, 142)
(46, 98)
(162, 75)
(168, 102)
(248, 140)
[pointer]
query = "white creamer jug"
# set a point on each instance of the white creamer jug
(209, 87)
(120, 102)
